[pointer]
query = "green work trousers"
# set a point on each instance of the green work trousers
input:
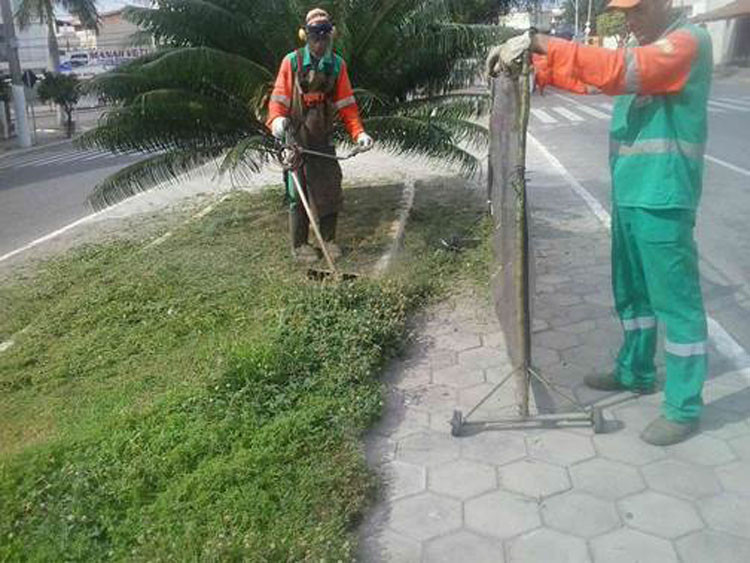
(655, 276)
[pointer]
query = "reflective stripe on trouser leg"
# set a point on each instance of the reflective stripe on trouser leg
(635, 361)
(670, 260)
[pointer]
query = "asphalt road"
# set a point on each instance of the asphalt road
(46, 189)
(575, 130)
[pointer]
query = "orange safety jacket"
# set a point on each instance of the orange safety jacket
(662, 67)
(343, 98)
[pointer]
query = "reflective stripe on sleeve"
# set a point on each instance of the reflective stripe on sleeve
(632, 78)
(281, 99)
(640, 323)
(686, 350)
(659, 146)
(345, 102)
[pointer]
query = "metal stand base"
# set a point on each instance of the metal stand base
(592, 416)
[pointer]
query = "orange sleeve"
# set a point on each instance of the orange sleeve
(544, 77)
(281, 97)
(662, 67)
(346, 104)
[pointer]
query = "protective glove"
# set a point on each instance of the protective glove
(279, 126)
(502, 57)
(364, 142)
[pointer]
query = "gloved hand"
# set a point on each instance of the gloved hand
(503, 56)
(364, 142)
(279, 126)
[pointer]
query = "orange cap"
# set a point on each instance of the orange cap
(622, 4)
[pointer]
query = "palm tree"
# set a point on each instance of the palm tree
(43, 11)
(203, 95)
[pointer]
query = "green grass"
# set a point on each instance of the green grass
(201, 399)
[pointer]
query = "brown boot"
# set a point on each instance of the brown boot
(608, 382)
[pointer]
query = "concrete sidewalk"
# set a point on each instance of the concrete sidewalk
(546, 495)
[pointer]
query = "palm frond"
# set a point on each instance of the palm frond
(249, 153)
(157, 170)
(419, 137)
(30, 11)
(456, 106)
(84, 10)
(205, 92)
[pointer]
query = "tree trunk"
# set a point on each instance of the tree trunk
(53, 57)
(53, 60)
(69, 125)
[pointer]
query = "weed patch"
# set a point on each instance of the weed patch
(201, 399)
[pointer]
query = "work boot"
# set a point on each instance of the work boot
(663, 432)
(608, 382)
(305, 254)
(334, 250)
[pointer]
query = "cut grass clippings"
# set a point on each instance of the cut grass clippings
(201, 399)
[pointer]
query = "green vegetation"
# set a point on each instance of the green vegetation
(200, 399)
(612, 24)
(62, 90)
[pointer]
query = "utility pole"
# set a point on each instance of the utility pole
(575, 35)
(17, 87)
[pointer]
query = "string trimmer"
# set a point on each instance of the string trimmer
(291, 156)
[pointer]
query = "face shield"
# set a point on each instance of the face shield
(320, 38)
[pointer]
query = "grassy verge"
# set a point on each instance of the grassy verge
(201, 399)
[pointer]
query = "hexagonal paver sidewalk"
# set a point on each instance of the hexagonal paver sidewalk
(545, 495)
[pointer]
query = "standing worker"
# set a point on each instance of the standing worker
(311, 88)
(657, 141)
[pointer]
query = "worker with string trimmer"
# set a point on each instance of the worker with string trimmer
(311, 89)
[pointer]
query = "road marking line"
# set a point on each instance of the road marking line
(97, 154)
(593, 203)
(566, 113)
(716, 110)
(607, 106)
(728, 165)
(583, 107)
(543, 116)
(727, 106)
(69, 226)
(724, 342)
(30, 161)
(52, 159)
(727, 346)
(593, 112)
(737, 101)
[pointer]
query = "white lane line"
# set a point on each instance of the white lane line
(53, 159)
(728, 346)
(567, 114)
(716, 110)
(737, 101)
(593, 203)
(724, 343)
(606, 106)
(592, 112)
(583, 107)
(32, 161)
(728, 165)
(97, 154)
(543, 116)
(722, 105)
